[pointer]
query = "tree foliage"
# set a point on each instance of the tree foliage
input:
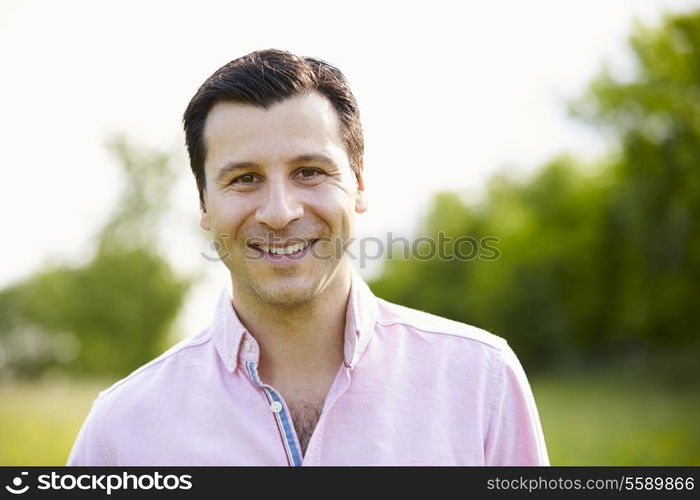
(112, 314)
(595, 260)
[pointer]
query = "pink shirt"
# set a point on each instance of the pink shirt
(415, 389)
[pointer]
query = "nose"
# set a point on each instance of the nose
(280, 205)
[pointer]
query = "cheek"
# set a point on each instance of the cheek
(334, 208)
(225, 221)
(338, 197)
(338, 210)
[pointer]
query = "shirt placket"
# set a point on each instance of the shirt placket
(285, 426)
(281, 414)
(249, 357)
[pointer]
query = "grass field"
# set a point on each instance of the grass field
(39, 421)
(591, 420)
(600, 420)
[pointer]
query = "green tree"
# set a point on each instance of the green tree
(595, 260)
(114, 313)
(655, 242)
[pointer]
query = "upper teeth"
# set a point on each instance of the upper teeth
(286, 250)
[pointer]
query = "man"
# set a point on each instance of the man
(302, 364)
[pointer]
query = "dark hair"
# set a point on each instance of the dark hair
(263, 78)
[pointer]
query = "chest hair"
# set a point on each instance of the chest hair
(305, 415)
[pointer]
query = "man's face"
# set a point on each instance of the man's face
(278, 177)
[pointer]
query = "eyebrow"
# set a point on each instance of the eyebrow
(228, 168)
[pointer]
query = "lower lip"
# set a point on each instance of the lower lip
(285, 258)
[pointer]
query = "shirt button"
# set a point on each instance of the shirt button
(247, 346)
(276, 407)
(229, 364)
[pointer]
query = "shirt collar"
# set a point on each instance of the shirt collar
(361, 313)
(360, 317)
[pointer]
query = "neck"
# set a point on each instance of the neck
(304, 340)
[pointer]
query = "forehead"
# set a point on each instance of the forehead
(303, 124)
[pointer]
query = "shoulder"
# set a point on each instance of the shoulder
(436, 327)
(168, 370)
(455, 344)
(122, 414)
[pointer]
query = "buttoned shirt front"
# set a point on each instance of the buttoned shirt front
(414, 389)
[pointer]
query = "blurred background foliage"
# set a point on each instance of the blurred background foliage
(595, 284)
(112, 314)
(599, 262)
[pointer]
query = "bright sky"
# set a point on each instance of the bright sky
(449, 94)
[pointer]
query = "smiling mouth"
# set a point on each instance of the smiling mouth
(277, 252)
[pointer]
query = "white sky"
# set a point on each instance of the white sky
(449, 94)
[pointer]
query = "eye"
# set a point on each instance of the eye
(244, 180)
(308, 173)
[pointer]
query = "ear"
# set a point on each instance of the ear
(203, 215)
(361, 200)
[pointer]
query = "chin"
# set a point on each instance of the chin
(281, 294)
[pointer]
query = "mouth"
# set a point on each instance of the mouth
(283, 253)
